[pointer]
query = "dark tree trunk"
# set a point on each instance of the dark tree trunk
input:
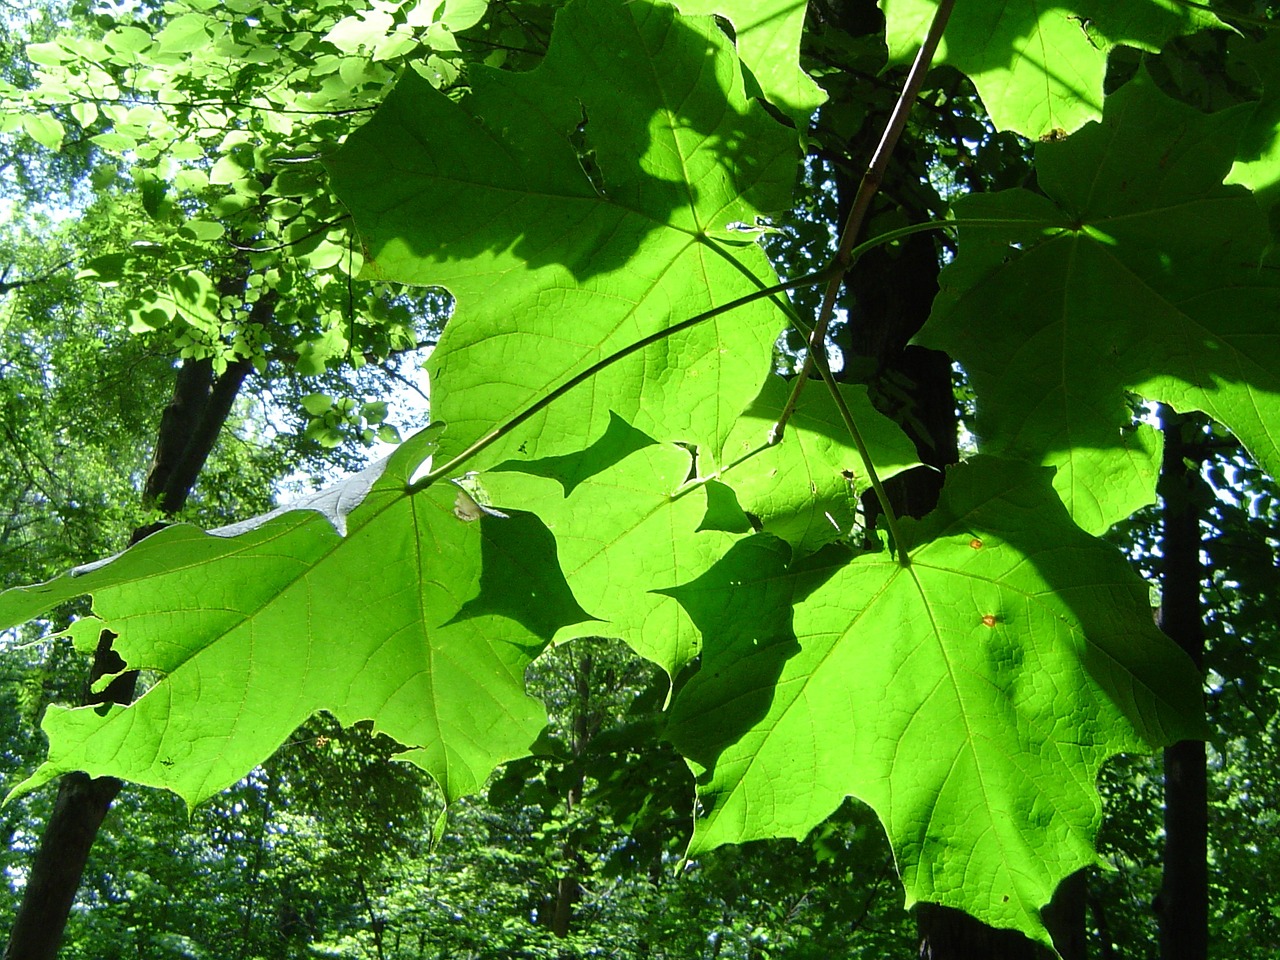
(1182, 905)
(947, 934)
(1106, 948)
(189, 427)
(1064, 917)
(889, 295)
(569, 887)
(78, 812)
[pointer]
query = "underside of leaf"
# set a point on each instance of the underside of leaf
(969, 698)
(253, 631)
(605, 193)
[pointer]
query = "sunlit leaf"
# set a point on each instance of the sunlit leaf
(365, 602)
(1039, 66)
(599, 204)
(970, 698)
(1146, 281)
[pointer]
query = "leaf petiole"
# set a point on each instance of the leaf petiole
(449, 468)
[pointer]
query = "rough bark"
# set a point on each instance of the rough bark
(78, 812)
(1182, 905)
(189, 427)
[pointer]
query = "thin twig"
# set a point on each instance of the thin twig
(871, 897)
(78, 97)
(867, 189)
(324, 227)
(7, 285)
(397, 375)
(764, 292)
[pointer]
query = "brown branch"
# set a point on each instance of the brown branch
(324, 227)
(843, 260)
(222, 393)
(867, 190)
(403, 380)
(207, 102)
(369, 356)
(7, 285)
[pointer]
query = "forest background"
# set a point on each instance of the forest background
(211, 305)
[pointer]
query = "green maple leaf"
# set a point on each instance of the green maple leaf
(1039, 66)
(970, 698)
(1139, 271)
(805, 488)
(619, 560)
(573, 210)
(368, 603)
(768, 37)
(613, 556)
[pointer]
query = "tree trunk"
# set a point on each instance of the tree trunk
(569, 889)
(1106, 948)
(1182, 905)
(189, 427)
(1065, 915)
(947, 934)
(51, 888)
